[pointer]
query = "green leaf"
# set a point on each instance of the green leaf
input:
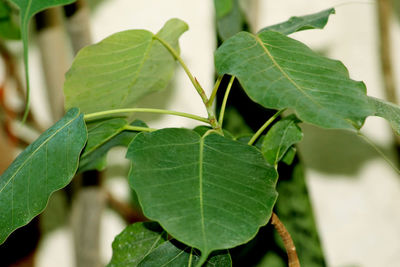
(8, 28)
(135, 242)
(208, 192)
(232, 20)
(102, 137)
(279, 72)
(280, 138)
(296, 24)
(47, 165)
(289, 156)
(169, 254)
(388, 111)
(118, 71)
(223, 7)
(28, 8)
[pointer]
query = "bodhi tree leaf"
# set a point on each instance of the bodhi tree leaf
(296, 24)
(8, 28)
(388, 111)
(47, 165)
(135, 242)
(279, 72)
(280, 138)
(101, 138)
(229, 18)
(122, 68)
(171, 255)
(28, 8)
(209, 192)
(223, 7)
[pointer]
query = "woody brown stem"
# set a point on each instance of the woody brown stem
(293, 259)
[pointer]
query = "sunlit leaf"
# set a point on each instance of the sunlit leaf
(122, 68)
(28, 8)
(296, 24)
(279, 72)
(172, 255)
(208, 192)
(388, 111)
(48, 164)
(102, 137)
(135, 242)
(280, 138)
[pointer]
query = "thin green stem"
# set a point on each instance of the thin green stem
(380, 152)
(223, 106)
(262, 128)
(147, 110)
(138, 128)
(211, 116)
(214, 91)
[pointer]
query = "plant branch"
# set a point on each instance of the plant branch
(147, 110)
(223, 106)
(214, 91)
(138, 128)
(384, 15)
(211, 116)
(262, 128)
(293, 259)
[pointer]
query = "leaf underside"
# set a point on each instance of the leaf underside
(208, 192)
(279, 72)
(307, 22)
(47, 165)
(118, 71)
(388, 111)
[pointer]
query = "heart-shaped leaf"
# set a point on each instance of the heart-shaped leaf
(135, 242)
(176, 255)
(28, 8)
(102, 137)
(122, 68)
(280, 138)
(279, 72)
(296, 24)
(47, 165)
(209, 192)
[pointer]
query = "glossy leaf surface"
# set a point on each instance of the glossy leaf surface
(122, 68)
(135, 242)
(296, 24)
(388, 111)
(208, 192)
(279, 72)
(280, 138)
(102, 137)
(169, 254)
(47, 165)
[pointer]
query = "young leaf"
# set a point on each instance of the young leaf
(47, 165)
(208, 192)
(168, 254)
(280, 138)
(122, 68)
(135, 242)
(279, 72)
(296, 24)
(101, 138)
(388, 111)
(28, 8)
(8, 29)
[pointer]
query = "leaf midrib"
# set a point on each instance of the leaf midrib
(201, 152)
(34, 152)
